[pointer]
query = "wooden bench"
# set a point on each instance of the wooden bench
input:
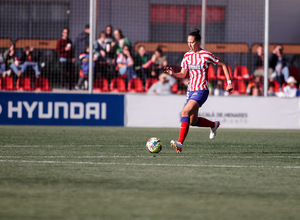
(287, 48)
(183, 47)
(36, 43)
(5, 43)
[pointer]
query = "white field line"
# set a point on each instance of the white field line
(151, 156)
(148, 164)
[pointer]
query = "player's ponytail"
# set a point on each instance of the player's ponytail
(196, 33)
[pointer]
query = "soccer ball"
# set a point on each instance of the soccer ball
(154, 145)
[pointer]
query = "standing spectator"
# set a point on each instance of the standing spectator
(120, 41)
(279, 65)
(66, 57)
(83, 73)
(109, 34)
(163, 86)
(81, 41)
(125, 63)
(259, 61)
(101, 47)
(160, 62)
(142, 63)
(290, 90)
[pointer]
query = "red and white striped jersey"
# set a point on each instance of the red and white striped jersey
(197, 64)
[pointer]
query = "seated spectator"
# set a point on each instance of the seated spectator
(84, 70)
(163, 86)
(142, 63)
(11, 60)
(279, 66)
(30, 59)
(290, 90)
(125, 64)
(271, 89)
(219, 90)
(256, 86)
(3, 71)
(160, 62)
(120, 41)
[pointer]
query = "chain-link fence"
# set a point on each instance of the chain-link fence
(52, 38)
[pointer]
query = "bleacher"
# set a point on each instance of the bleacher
(241, 68)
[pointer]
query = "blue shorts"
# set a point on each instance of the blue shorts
(200, 96)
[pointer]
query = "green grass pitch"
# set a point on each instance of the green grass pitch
(107, 173)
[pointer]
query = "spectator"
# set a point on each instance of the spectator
(30, 59)
(109, 34)
(125, 63)
(120, 41)
(163, 86)
(290, 90)
(259, 61)
(3, 71)
(66, 57)
(279, 65)
(102, 48)
(160, 62)
(81, 41)
(11, 60)
(219, 90)
(84, 57)
(142, 63)
(256, 86)
(271, 89)
(110, 40)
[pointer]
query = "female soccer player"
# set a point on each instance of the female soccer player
(196, 62)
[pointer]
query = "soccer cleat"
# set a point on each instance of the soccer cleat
(213, 131)
(177, 145)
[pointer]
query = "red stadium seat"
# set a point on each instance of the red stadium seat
(24, 84)
(241, 72)
(118, 85)
(8, 83)
(135, 85)
(276, 85)
(175, 88)
(211, 73)
(149, 83)
(42, 84)
(239, 86)
(221, 75)
(1, 79)
(101, 85)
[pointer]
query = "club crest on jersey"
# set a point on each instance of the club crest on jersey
(194, 67)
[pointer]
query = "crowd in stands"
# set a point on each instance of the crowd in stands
(114, 57)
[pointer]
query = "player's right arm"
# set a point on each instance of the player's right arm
(179, 75)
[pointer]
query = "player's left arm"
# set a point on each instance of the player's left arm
(229, 87)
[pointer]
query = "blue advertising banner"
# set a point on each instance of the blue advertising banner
(61, 109)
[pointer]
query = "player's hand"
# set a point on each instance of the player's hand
(229, 87)
(169, 70)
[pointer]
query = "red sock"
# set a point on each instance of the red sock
(203, 122)
(184, 129)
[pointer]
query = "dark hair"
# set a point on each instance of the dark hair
(159, 50)
(196, 33)
(87, 26)
(120, 32)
